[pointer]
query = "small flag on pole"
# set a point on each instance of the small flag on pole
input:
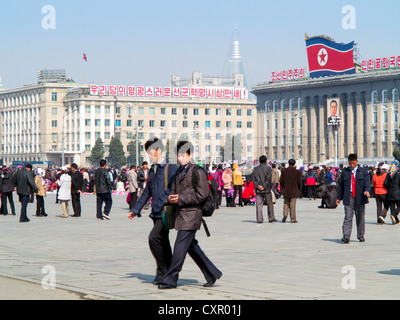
(84, 57)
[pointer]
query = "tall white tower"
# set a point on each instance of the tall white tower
(235, 63)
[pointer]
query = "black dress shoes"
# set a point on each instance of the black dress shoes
(209, 284)
(345, 240)
(165, 286)
(361, 239)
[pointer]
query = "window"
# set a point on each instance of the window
(129, 123)
(173, 111)
(140, 123)
(117, 123)
(184, 124)
(249, 124)
(54, 96)
(97, 135)
(118, 110)
(218, 124)
(239, 112)
(107, 109)
(207, 124)
(107, 135)
(87, 147)
(152, 110)
(196, 112)
(239, 124)
(87, 122)
(97, 122)
(217, 112)
(184, 111)
(53, 110)
(162, 123)
(107, 122)
(163, 111)
(174, 123)
(54, 123)
(129, 135)
(54, 137)
(207, 111)
(228, 124)
(141, 110)
(151, 123)
(97, 109)
(249, 112)
(87, 135)
(87, 109)
(129, 111)
(228, 112)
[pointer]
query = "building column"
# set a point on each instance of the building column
(350, 148)
(322, 119)
(367, 107)
(82, 128)
(359, 135)
(379, 136)
(305, 142)
(313, 130)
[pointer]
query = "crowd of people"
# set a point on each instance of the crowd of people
(185, 189)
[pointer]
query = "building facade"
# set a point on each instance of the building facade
(292, 117)
(56, 120)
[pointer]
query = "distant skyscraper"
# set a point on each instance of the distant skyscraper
(235, 63)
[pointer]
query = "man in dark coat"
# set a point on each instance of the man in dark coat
(354, 190)
(25, 184)
(104, 187)
(7, 188)
(189, 214)
(76, 189)
(291, 184)
(155, 188)
(262, 185)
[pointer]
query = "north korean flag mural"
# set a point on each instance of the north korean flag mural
(328, 58)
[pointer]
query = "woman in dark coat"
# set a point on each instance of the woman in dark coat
(392, 184)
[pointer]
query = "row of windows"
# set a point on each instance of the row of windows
(163, 123)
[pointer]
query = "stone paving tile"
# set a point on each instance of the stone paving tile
(282, 261)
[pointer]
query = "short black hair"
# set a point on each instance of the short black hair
(144, 162)
(262, 159)
(74, 165)
(28, 166)
(154, 143)
(103, 162)
(352, 157)
(184, 146)
(292, 162)
(133, 167)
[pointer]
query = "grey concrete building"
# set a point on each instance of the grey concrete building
(292, 117)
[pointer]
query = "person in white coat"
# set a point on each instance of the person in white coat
(133, 186)
(64, 192)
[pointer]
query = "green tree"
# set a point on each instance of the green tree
(132, 151)
(97, 152)
(116, 152)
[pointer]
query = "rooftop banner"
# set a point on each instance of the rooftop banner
(328, 58)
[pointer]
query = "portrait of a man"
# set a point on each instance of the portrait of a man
(333, 111)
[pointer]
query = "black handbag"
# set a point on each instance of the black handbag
(168, 215)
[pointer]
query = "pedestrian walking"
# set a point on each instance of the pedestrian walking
(25, 184)
(188, 200)
(155, 188)
(237, 184)
(262, 184)
(291, 184)
(143, 176)
(104, 187)
(40, 185)
(64, 192)
(132, 186)
(7, 188)
(76, 189)
(311, 180)
(381, 198)
(227, 179)
(354, 192)
(392, 184)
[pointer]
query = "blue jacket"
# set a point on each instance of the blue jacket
(155, 189)
(363, 183)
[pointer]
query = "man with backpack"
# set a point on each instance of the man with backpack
(189, 193)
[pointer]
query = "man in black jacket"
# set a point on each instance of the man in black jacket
(157, 189)
(262, 186)
(104, 187)
(25, 184)
(7, 188)
(76, 189)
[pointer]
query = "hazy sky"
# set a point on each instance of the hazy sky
(145, 42)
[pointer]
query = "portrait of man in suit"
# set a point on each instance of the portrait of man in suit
(333, 111)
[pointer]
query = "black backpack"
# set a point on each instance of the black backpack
(209, 205)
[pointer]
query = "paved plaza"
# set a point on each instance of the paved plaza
(94, 259)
